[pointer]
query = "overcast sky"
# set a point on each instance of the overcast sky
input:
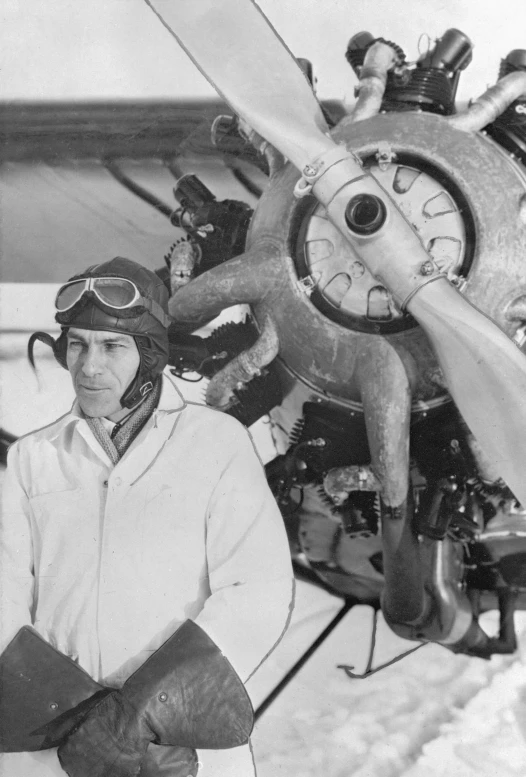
(67, 49)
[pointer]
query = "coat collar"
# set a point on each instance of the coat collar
(171, 402)
(171, 399)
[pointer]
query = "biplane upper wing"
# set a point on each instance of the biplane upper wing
(55, 131)
(85, 179)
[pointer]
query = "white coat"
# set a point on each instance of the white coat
(107, 562)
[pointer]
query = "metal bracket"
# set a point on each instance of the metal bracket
(308, 283)
(385, 155)
(368, 669)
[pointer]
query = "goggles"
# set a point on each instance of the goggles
(115, 293)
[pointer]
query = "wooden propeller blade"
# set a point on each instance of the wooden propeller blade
(486, 376)
(240, 53)
(242, 56)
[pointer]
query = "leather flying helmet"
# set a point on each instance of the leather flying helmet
(116, 296)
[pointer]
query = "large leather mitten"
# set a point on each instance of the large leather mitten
(186, 694)
(167, 761)
(110, 742)
(43, 694)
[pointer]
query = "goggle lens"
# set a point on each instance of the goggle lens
(68, 295)
(117, 293)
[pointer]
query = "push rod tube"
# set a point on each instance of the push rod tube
(489, 106)
(379, 59)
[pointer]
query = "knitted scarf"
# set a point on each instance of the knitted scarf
(125, 432)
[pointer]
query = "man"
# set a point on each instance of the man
(138, 538)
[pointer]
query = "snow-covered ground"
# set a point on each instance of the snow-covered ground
(433, 714)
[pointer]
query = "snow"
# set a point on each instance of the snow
(488, 737)
(432, 714)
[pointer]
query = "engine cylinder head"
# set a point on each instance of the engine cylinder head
(356, 49)
(509, 130)
(452, 52)
(516, 60)
(425, 89)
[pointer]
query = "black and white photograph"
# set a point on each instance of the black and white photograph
(262, 388)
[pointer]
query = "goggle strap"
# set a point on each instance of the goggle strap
(157, 312)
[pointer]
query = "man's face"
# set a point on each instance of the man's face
(102, 366)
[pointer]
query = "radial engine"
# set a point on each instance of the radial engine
(385, 493)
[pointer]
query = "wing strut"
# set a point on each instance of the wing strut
(349, 603)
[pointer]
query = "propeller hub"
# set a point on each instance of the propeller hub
(342, 287)
(365, 214)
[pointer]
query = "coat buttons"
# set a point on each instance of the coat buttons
(53, 706)
(163, 696)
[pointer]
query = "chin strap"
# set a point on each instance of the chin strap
(58, 347)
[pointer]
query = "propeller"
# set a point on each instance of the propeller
(242, 56)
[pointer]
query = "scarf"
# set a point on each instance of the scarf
(125, 432)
